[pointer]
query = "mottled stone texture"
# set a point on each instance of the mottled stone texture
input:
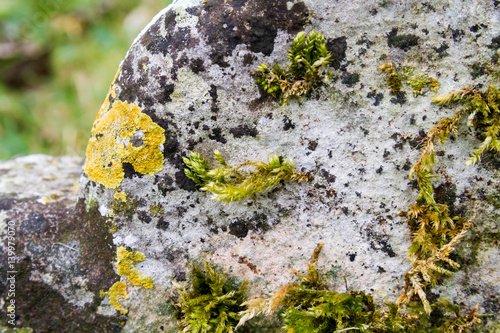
(190, 72)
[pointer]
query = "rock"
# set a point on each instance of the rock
(186, 84)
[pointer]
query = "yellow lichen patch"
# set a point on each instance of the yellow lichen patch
(125, 267)
(123, 134)
(122, 196)
(119, 289)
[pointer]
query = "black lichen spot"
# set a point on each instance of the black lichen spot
(407, 165)
(495, 43)
(457, 35)
(383, 246)
(441, 51)
(183, 182)
(240, 227)
(352, 256)
(402, 41)
(399, 98)
(130, 171)
(256, 25)
(165, 183)
(287, 123)
(379, 170)
(144, 216)
(162, 224)
(428, 6)
(327, 176)
(197, 65)
(312, 145)
(217, 136)
(350, 79)
(477, 70)
(373, 11)
(168, 89)
(377, 97)
(213, 95)
(364, 40)
(364, 130)
(412, 119)
(249, 59)
(337, 47)
(243, 130)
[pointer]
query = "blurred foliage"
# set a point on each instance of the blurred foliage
(57, 59)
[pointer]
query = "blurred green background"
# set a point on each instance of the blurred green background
(57, 59)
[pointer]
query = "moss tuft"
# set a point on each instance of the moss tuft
(308, 56)
(228, 183)
(211, 302)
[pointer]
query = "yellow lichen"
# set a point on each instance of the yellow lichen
(125, 267)
(119, 289)
(121, 196)
(123, 134)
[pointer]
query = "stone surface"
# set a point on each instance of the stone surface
(187, 83)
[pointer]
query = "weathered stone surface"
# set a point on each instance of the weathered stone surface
(187, 80)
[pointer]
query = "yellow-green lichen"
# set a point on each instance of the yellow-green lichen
(117, 290)
(156, 210)
(125, 267)
(123, 134)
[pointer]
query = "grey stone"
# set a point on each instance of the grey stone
(190, 72)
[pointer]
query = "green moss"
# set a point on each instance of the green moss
(228, 183)
(309, 306)
(309, 57)
(211, 302)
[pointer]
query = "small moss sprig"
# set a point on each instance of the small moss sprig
(309, 56)
(211, 302)
(483, 115)
(229, 183)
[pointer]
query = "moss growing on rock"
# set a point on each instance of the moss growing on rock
(308, 56)
(211, 302)
(228, 183)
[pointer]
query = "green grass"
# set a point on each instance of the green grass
(55, 72)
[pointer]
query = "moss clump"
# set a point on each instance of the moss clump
(228, 183)
(211, 302)
(308, 56)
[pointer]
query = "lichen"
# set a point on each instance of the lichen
(418, 82)
(118, 290)
(228, 183)
(125, 266)
(123, 134)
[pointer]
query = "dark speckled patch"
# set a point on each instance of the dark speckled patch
(254, 23)
(401, 41)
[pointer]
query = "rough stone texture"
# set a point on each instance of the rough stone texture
(190, 71)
